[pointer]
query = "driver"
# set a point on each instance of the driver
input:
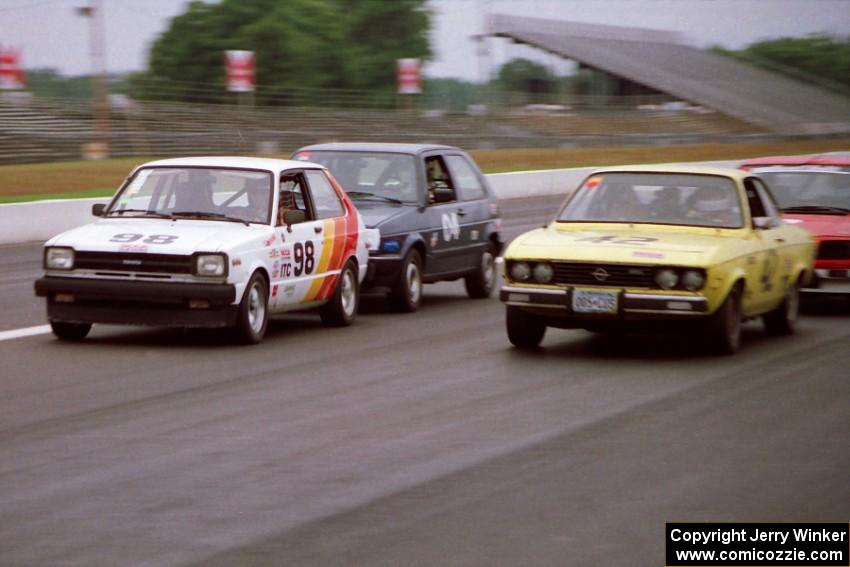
(257, 191)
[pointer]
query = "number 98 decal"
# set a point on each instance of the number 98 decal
(304, 257)
(127, 237)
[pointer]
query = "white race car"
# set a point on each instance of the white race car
(210, 242)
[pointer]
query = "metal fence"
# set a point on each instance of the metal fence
(48, 129)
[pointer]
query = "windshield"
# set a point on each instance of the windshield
(370, 175)
(658, 198)
(809, 188)
(206, 193)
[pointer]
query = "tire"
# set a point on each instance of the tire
(481, 282)
(70, 331)
(252, 318)
(406, 294)
(781, 321)
(525, 331)
(342, 307)
(724, 326)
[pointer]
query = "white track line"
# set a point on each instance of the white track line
(25, 332)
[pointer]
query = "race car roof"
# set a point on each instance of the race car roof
(660, 60)
(673, 170)
(275, 165)
(375, 147)
(813, 160)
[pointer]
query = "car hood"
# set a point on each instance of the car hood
(191, 236)
(821, 225)
(634, 244)
(376, 215)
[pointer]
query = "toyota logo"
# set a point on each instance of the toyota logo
(601, 274)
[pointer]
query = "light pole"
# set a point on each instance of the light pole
(94, 13)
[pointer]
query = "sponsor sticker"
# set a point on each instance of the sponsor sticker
(647, 254)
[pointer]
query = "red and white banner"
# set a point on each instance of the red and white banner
(11, 74)
(240, 71)
(409, 77)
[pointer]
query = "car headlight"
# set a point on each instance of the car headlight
(543, 273)
(666, 278)
(211, 265)
(693, 280)
(520, 271)
(56, 258)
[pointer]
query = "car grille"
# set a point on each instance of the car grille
(834, 250)
(133, 262)
(620, 275)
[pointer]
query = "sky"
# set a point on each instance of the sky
(51, 35)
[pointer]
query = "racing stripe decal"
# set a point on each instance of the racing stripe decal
(336, 258)
(327, 250)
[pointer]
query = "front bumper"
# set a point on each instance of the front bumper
(383, 271)
(829, 282)
(82, 300)
(557, 303)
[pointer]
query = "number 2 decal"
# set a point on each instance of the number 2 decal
(126, 237)
(304, 256)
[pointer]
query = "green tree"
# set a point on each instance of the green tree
(821, 59)
(523, 75)
(298, 45)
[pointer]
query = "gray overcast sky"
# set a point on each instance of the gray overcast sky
(51, 35)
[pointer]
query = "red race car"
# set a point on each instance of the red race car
(814, 192)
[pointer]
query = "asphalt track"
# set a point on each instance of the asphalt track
(420, 439)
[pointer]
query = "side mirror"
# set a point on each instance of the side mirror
(762, 223)
(293, 216)
(98, 209)
(442, 194)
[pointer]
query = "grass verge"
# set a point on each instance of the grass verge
(62, 180)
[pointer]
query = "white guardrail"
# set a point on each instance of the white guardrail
(40, 220)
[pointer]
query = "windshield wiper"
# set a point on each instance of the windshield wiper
(145, 213)
(816, 209)
(211, 216)
(366, 195)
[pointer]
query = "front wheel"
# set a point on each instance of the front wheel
(781, 321)
(252, 318)
(480, 283)
(70, 331)
(525, 331)
(724, 327)
(342, 307)
(406, 294)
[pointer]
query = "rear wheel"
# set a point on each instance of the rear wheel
(525, 331)
(342, 308)
(781, 321)
(70, 331)
(724, 327)
(253, 315)
(481, 282)
(406, 294)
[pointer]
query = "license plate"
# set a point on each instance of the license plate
(592, 301)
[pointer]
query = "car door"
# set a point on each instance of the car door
(764, 272)
(297, 248)
(448, 240)
(474, 211)
(779, 244)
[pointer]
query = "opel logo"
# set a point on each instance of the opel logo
(601, 274)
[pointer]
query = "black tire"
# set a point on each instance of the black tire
(724, 326)
(252, 318)
(342, 307)
(781, 321)
(480, 283)
(406, 294)
(525, 331)
(70, 331)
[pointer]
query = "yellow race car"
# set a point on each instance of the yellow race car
(647, 247)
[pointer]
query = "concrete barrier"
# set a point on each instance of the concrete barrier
(40, 220)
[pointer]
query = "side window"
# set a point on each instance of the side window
(325, 199)
(754, 199)
(466, 179)
(770, 207)
(292, 197)
(440, 189)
